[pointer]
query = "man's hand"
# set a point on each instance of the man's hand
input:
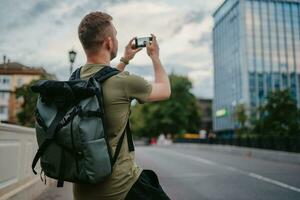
(129, 53)
(153, 48)
(130, 50)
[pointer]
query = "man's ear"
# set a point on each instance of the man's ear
(108, 43)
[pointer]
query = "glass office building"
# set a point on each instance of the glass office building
(256, 47)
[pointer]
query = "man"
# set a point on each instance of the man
(127, 181)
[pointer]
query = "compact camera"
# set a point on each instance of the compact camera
(142, 41)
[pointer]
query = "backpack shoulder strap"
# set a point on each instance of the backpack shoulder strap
(105, 73)
(127, 131)
(75, 75)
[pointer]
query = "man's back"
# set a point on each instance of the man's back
(98, 37)
(118, 91)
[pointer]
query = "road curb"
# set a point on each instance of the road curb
(271, 155)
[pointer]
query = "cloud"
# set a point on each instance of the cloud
(202, 83)
(41, 33)
(40, 7)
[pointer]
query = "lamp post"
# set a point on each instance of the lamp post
(234, 116)
(72, 55)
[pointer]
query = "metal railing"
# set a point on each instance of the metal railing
(288, 144)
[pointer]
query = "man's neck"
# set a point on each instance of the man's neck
(98, 59)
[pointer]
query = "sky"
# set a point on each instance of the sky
(40, 34)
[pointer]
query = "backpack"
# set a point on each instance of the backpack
(71, 130)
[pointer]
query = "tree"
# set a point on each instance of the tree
(178, 114)
(240, 115)
(279, 116)
(26, 117)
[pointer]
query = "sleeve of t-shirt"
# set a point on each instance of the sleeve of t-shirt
(136, 87)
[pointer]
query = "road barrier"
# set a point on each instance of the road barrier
(17, 148)
(288, 144)
(263, 154)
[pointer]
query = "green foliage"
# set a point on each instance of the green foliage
(178, 114)
(26, 116)
(240, 116)
(279, 116)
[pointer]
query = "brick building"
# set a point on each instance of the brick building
(12, 76)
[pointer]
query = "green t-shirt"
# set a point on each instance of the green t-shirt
(118, 92)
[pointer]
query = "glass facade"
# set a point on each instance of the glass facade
(256, 45)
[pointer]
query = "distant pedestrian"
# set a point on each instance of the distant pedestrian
(127, 181)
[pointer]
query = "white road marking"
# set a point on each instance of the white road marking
(189, 175)
(208, 162)
(250, 174)
(257, 176)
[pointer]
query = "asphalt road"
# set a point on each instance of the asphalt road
(190, 174)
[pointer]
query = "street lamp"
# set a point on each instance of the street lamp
(234, 116)
(72, 55)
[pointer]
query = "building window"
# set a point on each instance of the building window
(269, 82)
(5, 81)
(284, 80)
(276, 81)
(3, 110)
(20, 82)
(2, 95)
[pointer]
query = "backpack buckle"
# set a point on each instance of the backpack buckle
(65, 119)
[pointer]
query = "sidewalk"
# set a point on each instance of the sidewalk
(55, 193)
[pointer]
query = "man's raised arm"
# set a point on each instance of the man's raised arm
(161, 89)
